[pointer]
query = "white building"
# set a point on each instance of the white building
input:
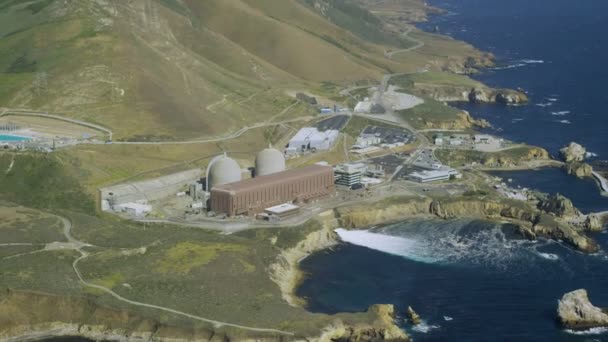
(350, 174)
(428, 176)
(366, 141)
(310, 138)
(482, 138)
(438, 141)
(456, 142)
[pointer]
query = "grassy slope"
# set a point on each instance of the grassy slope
(223, 277)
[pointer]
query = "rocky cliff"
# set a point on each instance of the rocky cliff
(30, 315)
(576, 311)
(559, 206)
(285, 271)
(464, 93)
(382, 328)
(580, 170)
(532, 222)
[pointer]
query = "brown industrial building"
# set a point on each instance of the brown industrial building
(252, 196)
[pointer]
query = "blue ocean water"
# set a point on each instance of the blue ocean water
(473, 280)
(10, 138)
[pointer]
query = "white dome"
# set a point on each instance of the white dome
(269, 161)
(222, 170)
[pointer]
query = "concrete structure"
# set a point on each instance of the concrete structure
(350, 174)
(428, 176)
(133, 209)
(269, 161)
(149, 190)
(252, 196)
(222, 170)
(283, 211)
(310, 138)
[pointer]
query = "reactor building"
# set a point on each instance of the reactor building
(222, 170)
(252, 196)
(269, 161)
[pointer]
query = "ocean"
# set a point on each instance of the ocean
(475, 280)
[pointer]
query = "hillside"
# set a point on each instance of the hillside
(171, 68)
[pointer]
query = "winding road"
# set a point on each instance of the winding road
(406, 34)
(76, 245)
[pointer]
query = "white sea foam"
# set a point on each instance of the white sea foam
(590, 155)
(561, 113)
(517, 120)
(446, 242)
(565, 122)
(448, 318)
(532, 61)
(512, 66)
(552, 99)
(549, 256)
(425, 328)
(395, 245)
(544, 105)
(592, 331)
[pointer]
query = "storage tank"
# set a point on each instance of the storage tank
(269, 161)
(222, 170)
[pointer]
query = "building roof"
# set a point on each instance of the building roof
(313, 134)
(283, 208)
(279, 177)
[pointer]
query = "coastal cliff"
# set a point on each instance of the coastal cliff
(285, 271)
(532, 222)
(30, 316)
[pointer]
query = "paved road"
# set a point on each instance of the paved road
(602, 180)
(74, 244)
(406, 34)
(26, 112)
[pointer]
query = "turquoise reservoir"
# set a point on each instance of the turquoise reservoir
(5, 138)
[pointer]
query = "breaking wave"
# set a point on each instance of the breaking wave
(561, 113)
(592, 331)
(565, 122)
(532, 61)
(474, 243)
(425, 327)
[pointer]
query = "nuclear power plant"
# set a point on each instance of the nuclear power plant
(272, 184)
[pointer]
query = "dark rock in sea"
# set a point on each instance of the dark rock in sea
(576, 311)
(559, 206)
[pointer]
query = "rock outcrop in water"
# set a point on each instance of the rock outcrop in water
(580, 170)
(559, 206)
(573, 153)
(413, 316)
(575, 311)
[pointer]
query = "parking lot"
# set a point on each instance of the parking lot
(389, 135)
(390, 163)
(335, 122)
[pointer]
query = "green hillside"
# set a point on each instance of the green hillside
(168, 69)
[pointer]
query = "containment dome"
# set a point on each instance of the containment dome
(222, 170)
(269, 161)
